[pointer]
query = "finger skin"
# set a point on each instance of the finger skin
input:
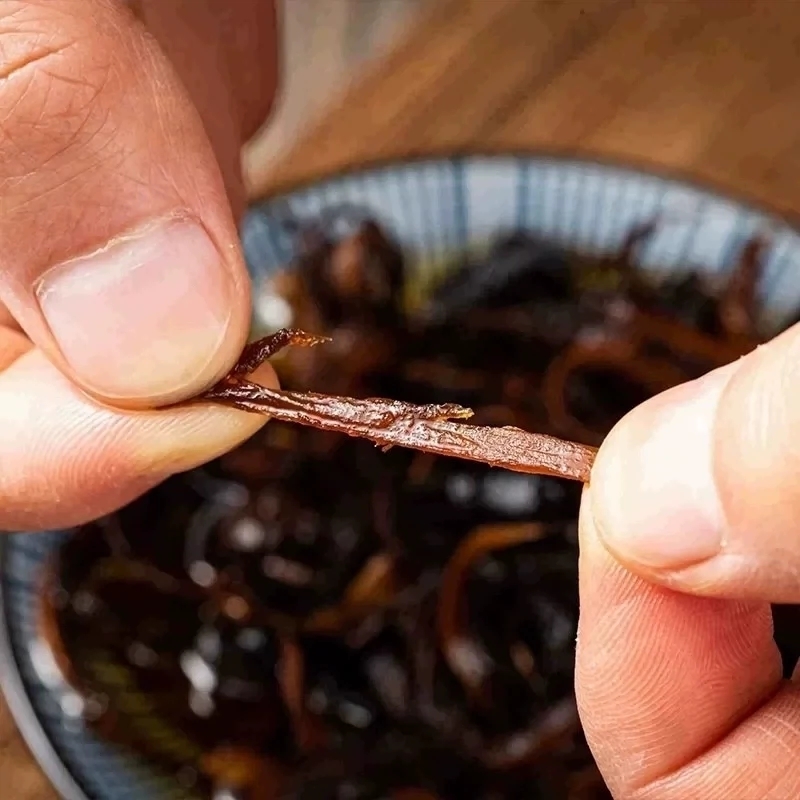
(13, 345)
(88, 163)
(745, 454)
(226, 54)
(677, 694)
(6, 320)
(201, 38)
(67, 460)
(99, 138)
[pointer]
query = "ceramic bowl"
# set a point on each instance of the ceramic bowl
(433, 207)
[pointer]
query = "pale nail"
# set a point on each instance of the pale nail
(144, 317)
(654, 499)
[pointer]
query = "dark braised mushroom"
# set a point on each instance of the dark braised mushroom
(312, 618)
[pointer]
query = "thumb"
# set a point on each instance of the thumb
(120, 256)
(699, 488)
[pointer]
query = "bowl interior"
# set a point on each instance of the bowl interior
(433, 208)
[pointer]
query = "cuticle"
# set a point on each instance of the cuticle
(39, 287)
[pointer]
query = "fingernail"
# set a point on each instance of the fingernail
(654, 500)
(144, 317)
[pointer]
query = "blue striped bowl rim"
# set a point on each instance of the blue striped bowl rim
(433, 206)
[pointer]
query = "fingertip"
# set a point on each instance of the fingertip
(67, 459)
(198, 433)
(150, 319)
(13, 345)
(660, 676)
(655, 502)
(696, 489)
(193, 436)
(265, 375)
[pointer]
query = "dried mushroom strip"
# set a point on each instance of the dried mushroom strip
(450, 619)
(650, 349)
(397, 626)
(626, 352)
(652, 374)
(390, 423)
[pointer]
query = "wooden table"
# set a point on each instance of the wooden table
(709, 88)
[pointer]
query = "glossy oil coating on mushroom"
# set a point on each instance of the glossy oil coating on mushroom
(311, 617)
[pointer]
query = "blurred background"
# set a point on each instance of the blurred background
(705, 90)
(326, 45)
(709, 88)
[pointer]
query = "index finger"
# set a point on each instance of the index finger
(681, 696)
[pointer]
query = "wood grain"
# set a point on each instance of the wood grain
(707, 88)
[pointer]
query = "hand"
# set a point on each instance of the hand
(122, 276)
(688, 532)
